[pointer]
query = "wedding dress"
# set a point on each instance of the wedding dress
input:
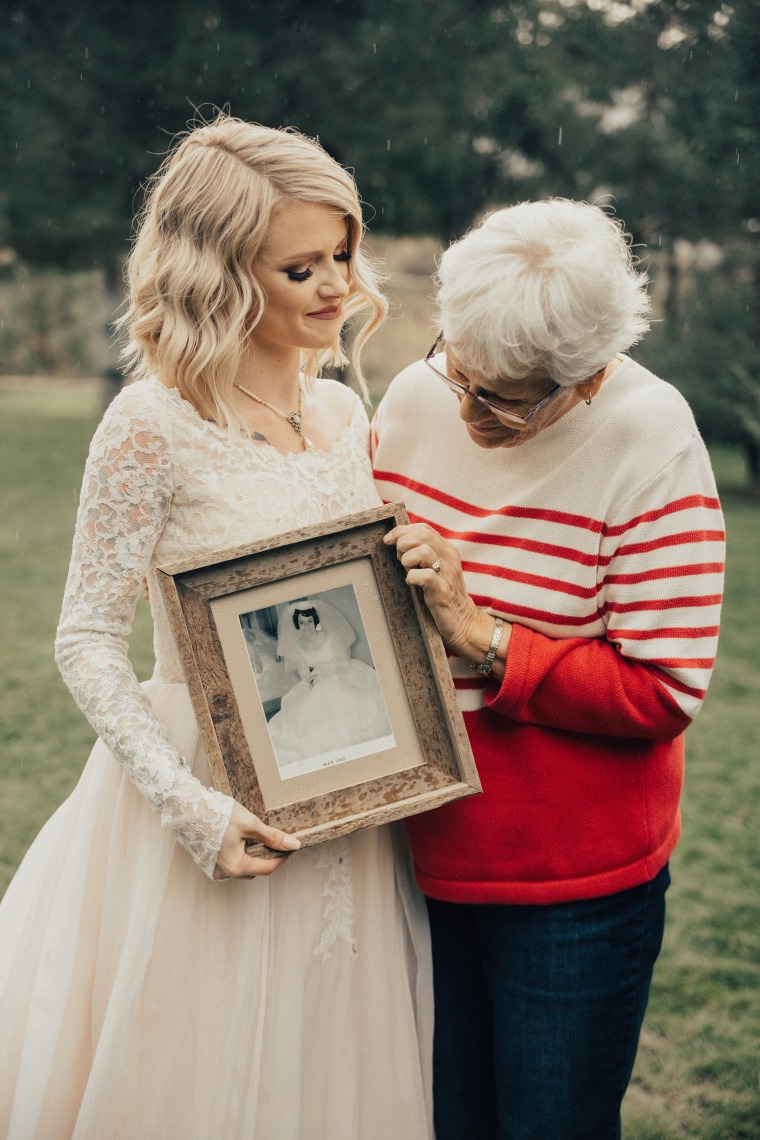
(138, 997)
(337, 705)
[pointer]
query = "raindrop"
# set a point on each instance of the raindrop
(559, 137)
(86, 53)
(387, 144)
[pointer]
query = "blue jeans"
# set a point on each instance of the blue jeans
(538, 1013)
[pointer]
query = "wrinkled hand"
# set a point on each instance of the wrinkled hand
(234, 862)
(465, 629)
(419, 548)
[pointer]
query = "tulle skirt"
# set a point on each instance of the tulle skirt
(139, 999)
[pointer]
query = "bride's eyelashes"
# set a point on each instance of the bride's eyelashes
(305, 274)
(299, 274)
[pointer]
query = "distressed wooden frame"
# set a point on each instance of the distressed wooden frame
(440, 765)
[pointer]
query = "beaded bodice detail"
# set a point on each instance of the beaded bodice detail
(161, 484)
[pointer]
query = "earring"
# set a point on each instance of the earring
(588, 402)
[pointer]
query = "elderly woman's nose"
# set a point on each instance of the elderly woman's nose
(471, 410)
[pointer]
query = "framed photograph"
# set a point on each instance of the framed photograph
(319, 680)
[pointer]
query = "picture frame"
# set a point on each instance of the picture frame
(319, 680)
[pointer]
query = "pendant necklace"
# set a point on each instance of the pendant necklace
(294, 419)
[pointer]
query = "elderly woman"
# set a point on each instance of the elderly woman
(569, 542)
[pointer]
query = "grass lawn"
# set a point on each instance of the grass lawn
(698, 1071)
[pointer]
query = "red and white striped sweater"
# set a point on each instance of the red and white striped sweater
(602, 539)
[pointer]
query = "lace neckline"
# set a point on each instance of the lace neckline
(175, 397)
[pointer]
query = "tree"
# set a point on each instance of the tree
(443, 107)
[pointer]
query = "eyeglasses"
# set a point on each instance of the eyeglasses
(519, 412)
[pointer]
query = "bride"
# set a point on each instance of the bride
(156, 980)
(337, 705)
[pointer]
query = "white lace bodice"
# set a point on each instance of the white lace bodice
(162, 484)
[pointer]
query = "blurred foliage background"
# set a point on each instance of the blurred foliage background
(444, 109)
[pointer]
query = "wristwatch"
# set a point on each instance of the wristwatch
(487, 663)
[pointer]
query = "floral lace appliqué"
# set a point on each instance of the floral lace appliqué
(338, 893)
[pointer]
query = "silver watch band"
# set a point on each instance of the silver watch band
(487, 663)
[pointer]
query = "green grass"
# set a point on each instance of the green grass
(44, 740)
(698, 1070)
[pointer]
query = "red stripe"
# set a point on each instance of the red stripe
(682, 538)
(549, 617)
(552, 617)
(563, 517)
(679, 686)
(585, 522)
(685, 504)
(666, 631)
(665, 572)
(530, 579)
(686, 602)
(569, 553)
(468, 683)
(685, 662)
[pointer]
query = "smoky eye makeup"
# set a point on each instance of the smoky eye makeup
(299, 274)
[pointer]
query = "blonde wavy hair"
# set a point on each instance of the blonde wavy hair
(193, 299)
(548, 286)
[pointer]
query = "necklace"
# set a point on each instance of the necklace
(294, 419)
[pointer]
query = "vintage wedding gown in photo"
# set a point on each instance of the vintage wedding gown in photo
(139, 998)
(337, 706)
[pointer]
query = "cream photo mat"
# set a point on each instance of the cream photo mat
(404, 755)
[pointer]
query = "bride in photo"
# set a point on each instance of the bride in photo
(337, 705)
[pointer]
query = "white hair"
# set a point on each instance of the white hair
(542, 286)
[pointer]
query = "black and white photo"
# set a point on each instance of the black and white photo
(317, 681)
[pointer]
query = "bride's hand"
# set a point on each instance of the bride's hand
(234, 862)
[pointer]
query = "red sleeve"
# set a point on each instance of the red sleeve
(584, 686)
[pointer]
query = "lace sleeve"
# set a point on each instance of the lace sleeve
(126, 496)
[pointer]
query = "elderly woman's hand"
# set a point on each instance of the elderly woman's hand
(434, 564)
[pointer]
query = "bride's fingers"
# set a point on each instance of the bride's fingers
(246, 866)
(271, 837)
(234, 861)
(255, 866)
